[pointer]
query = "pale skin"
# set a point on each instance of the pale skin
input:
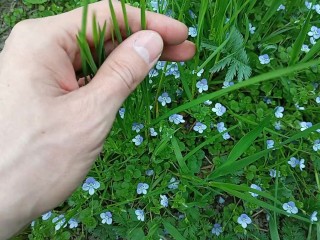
(51, 129)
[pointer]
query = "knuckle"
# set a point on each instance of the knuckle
(124, 72)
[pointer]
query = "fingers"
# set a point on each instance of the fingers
(177, 53)
(123, 70)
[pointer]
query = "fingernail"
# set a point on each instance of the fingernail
(149, 46)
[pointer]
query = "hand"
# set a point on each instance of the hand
(51, 130)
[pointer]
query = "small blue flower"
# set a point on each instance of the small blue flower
(199, 127)
(192, 15)
(137, 140)
(73, 223)
(221, 200)
(202, 85)
(60, 221)
(219, 109)
(217, 229)
(158, 5)
(274, 173)
(220, 127)
(153, 132)
(140, 214)
(244, 220)
(305, 48)
(200, 72)
(176, 119)
(316, 145)
(153, 73)
(164, 99)
(279, 112)
(277, 125)
(308, 4)
(305, 125)
(227, 84)
(293, 162)
(300, 108)
(46, 216)
(314, 32)
(316, 8)
(90, 185)
(290, 207)
(149, 172)
(164, 200)
(318, 100)
(301, 164)
(193, 32)
(173, 184)
(122, 111)
(137, 127)
(142, 188)
(160, 65)
(267, 100)
(313, 217)
(264, 59)
(208, 102)
(270, 144)
(252, 29)
(256, 187)
(106, 218)
(281, 7)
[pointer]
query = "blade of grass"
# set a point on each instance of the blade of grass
(273, 229)
(173, 231)
(115, 23)
(87, 55)
(95, 31)
(125, 17)
(315, 50)
(143, 14)
(177, 152)
(271, 11)
(296, 49)
(100, 49)
(255, 80)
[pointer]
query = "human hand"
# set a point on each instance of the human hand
(51, 129)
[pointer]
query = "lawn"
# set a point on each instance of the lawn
(224, 146)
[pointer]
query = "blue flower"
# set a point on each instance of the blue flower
(140, 214)
(264, 59)
(244, 220)
(173, 69)
(164, 200)
(314, 32)
(227, 84)
(137, 140)
(267, 100)
(316, 8)
(217, 229)
(160, 65)
(252, 29)
(149, 172)
(106, 218)
(192, 15)
(173, 184)
(301, 164)
(305, 48)
(316, 145)
(199, 127)
(219, 109)
(200, 72)
(208, 102)
(153, 132)
(60, 221)
(158, 5)
(137, 127)
(299, 108)
(270, 144)
(318, 100)
(221, 128)
(308, 4)
(46, 216)
(153, 73)
(290, 207)
(305, 125)
(293, 162)
(281, 7)
(164, 99)
(274, 173)
(279, 112)
(277, 125)
(90, 185)
(202, 85)
(73, 223)
(176, 119)
(313, 217)
(256, 187)
(122, 111)
(142, 188)
(221, 200)
(193, 32)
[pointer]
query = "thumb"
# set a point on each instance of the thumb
(125, 68)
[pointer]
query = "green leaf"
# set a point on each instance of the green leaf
(115, 22)
(273, 229)
(35, 1)
(173, 231)
(177, 152)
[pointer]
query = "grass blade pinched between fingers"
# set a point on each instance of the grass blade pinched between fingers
(143, 14)
(125, 17)
(115, 23)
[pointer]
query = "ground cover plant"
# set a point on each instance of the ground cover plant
(225, 146)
